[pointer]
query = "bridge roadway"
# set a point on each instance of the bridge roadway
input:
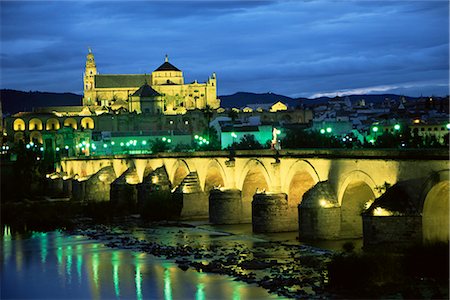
(328, 188)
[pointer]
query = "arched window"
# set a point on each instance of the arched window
(36, 137)
(70, 122)
(35, 124)
(19, 125)
(87, 123)
(52, 124)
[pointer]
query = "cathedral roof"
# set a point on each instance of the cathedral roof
(120, 81)
(145, 91)
(167, 66)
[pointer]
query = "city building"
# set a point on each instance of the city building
(162, 91)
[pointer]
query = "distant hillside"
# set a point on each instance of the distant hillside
(15, 101)
(240, 99)
(368, 98)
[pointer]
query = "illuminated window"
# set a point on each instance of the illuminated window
(52, 124)
(19, 125)
(70, 122)
(35, 124)
(87, 123)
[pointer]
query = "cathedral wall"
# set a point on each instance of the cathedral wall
(164, 77)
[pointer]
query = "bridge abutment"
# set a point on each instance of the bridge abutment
(225, 206)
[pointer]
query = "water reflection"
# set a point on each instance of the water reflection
(115, 259)
(138, 277)
(79, 249)
(167, 284)
(101, 272)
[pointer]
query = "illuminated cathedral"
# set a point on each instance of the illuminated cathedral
(163, 91)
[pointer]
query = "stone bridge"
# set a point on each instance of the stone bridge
(332, 190)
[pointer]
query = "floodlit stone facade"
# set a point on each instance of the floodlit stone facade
(162, 91)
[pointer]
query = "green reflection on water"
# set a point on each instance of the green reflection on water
(236, 293)
(44, 247)
(6, 243)
(116, 262)
(79, 261)
(167, 284)
(138, 278)
(59, 252)
(95, 263)
(200, 293)
(69, 262)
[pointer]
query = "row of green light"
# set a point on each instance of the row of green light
(166, 140)
(396, 127)
(201, 140)
(327, 130)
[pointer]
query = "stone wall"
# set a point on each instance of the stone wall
(270, 213)
(225, 206)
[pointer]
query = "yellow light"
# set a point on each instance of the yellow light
(416, 121)
(325, 203)
(381, 212)
(368, 204)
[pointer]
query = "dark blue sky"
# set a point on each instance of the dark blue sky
(295, 48)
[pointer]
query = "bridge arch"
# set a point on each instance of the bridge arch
(435, 207)
(301, 177)
(355, 194)
(214, 175)
(179, 171)
(254, 177)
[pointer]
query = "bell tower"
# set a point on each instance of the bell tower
(89, 80)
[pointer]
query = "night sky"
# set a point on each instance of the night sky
(294, 48)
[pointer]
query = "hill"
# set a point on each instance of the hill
(15, 101)
(241, 99)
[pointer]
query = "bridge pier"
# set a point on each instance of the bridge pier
(123, 195)
(319, 214)
(154, 199)
(98, 186)
(67, 186)
(225, 206)
(270, 213)
(54, 184)
(190, 198)
(78, 189)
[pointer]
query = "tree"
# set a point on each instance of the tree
(247, 142)
(208, 113)
(159, 145)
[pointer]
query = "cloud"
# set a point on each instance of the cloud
(288, 47)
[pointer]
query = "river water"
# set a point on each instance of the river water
(60, 266)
